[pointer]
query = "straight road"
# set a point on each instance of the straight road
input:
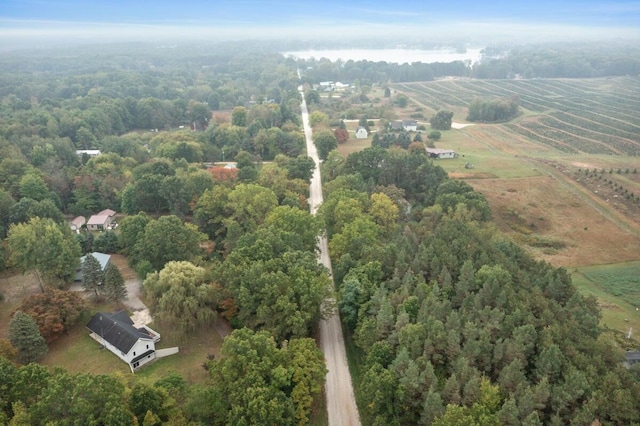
(341, 402)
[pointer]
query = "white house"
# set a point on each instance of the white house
(361, 133)
(410, 125)
(441, 153)
(101, 221)
(89, 152)
(116, 332)
(406, 125)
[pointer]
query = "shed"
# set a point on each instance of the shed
(77, 223)
(361, 133)
(441, 153)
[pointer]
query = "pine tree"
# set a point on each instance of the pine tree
(114, 286)
(92, 275)
(25, 337)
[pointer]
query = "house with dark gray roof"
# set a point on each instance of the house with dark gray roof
(631, 358)
(134, 345)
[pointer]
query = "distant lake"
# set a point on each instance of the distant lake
(399, 56)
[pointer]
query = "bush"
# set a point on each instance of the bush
(434, 135)
(106, 242)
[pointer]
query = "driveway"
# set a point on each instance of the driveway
(139, 311)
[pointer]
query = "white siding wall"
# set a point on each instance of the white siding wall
(139, 348)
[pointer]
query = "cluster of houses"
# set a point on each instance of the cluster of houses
(101, 221)
(330, 86)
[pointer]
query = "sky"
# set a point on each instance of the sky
(118, 20)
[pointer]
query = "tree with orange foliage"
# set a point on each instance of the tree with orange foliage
(223, 174)
(342, 135)
(54, 311)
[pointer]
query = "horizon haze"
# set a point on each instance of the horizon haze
(37, 23)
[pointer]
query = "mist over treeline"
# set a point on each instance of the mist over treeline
(545, 60)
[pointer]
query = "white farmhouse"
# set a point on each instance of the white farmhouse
(116, 332)
(441, 153)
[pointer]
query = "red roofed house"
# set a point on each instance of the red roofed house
(101, 221)
(77, 223)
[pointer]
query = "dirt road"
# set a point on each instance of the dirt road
(341, 402)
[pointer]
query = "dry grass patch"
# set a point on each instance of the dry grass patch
(353, 145)
(542, 206)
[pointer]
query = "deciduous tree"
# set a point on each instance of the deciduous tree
(259, 383)
(441, 120)
(55, 311)
(46, 247)
(182, 297)
(325, 142)
(167, 239)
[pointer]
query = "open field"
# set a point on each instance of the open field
(618, 292)
(597, 116)
(562, 178)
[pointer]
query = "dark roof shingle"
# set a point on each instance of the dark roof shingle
(117, 329)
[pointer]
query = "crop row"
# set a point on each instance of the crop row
(425, 92)
(615, 143)
(577, 142)
(594, 116)
(600, 123)
(530, 134)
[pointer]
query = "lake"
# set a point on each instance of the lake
(399, 56)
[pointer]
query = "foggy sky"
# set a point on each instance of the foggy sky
(34, 22)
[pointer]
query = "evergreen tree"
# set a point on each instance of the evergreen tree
(92, 275)
(114, 286)
(24, 335)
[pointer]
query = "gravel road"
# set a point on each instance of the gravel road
(341, 402)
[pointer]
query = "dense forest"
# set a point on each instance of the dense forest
(455, 323)
(452, 322)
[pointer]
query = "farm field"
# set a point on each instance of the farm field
(597, 116)
(617, 288)
(562, 178)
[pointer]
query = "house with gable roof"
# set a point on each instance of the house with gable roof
(361, 133)
(102, 258)
(77, 223)
(441, 153)
(101, 221)
(134, 345)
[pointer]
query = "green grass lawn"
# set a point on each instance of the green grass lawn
(621, 279)
(613, 286)
(77, 352)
